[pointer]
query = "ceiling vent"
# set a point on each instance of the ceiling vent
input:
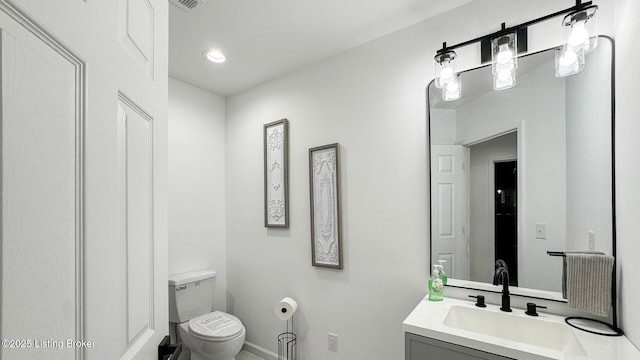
(187, 5)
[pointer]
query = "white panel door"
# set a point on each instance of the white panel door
(448, 194)
(83, 104)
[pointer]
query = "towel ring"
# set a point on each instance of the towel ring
(617, 332)
(614, 326)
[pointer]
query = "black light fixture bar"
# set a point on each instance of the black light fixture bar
(485, 44)
(504, 30)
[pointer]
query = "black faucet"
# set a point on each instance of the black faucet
(501, 276)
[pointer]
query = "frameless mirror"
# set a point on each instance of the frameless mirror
(523, 171)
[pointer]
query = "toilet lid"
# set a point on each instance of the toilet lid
(215, 326)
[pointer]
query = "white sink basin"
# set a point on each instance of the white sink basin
(512, 335)
(526, 330)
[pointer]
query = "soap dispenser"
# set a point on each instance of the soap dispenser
(436, 285)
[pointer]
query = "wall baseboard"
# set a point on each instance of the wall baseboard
(259, 351)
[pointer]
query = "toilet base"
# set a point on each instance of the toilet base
(206, 350)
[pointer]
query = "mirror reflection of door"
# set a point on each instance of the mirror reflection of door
(506, 215)
(492, 239)
(448, 182)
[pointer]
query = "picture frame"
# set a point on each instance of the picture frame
(276, 174)
(326, 213)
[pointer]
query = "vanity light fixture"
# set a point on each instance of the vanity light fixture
(504, 61)
(580, 37)
(446, 77)
(503, 46)
(452, 91)
(581, 27)
(569, 61)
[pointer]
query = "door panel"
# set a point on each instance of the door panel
(83, 177)
(142, 96)
(41, 193)
(135, 142)
(448, 188)
(136, 30)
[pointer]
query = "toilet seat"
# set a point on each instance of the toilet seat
(216, 326)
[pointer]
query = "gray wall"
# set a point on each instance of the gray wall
(627, 34)
(197, 183)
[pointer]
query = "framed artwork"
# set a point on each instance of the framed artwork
(324, 186)
(276, 174)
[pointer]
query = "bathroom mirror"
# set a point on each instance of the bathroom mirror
(519, 172)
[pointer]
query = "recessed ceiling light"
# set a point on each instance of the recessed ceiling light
(214, 55)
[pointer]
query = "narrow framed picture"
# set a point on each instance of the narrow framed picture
(324, 187)
(276, 174)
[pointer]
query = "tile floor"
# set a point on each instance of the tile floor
(244, 355)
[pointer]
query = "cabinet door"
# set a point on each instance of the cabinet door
(422, 348)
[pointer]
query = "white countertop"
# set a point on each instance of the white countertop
(427, 319)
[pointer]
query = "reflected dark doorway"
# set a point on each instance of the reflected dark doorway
(506, 216)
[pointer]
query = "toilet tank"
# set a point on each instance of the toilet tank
(190, 295)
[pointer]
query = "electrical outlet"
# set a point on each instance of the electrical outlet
(333, 342)
(541, 231)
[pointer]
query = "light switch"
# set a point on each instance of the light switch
(541, 231)
(592, 240)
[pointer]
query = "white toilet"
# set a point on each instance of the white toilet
(209, 335)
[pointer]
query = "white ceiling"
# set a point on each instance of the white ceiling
(263, 39)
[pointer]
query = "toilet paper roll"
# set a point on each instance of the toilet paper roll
(286, 308)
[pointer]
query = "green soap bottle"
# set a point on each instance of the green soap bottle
(436, 285)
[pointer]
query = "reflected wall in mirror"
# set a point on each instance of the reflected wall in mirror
(523, 171)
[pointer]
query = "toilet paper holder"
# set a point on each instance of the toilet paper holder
(287, 341)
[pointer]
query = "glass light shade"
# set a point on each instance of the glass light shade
(452, 91)
(445, 71)
(581, 29)
(504, 79)
(569, 60)
(504, 52)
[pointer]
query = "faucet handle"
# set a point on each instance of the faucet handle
(479, 300)
(531, 309)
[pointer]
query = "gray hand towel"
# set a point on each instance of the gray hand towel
(564, 268)
(589, 279)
